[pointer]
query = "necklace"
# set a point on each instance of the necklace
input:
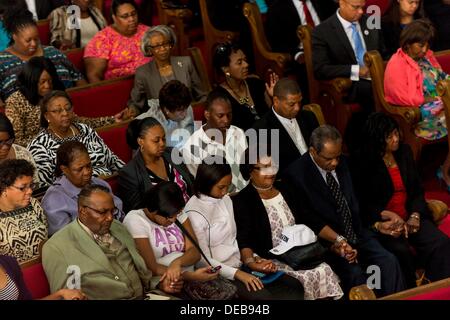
(57, 135)
(388, 162)
(242, 100)
(261, 188)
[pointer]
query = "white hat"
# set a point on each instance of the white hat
(293, 236)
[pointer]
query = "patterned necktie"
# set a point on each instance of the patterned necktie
(308, 16)
(342, 208)
(359, 48)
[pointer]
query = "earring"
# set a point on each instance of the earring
(228, 74)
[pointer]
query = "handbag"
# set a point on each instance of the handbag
(216, 289)
(304, 257)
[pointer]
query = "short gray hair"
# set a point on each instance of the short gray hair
(166, 31)
(321, 135)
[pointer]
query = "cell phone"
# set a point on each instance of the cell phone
(214, 269)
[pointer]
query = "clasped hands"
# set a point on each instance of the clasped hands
(345, 250)
(393, 225)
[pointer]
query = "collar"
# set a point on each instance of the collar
(208, 199)
(230, 133)
(346, 24)
(69, 188)
(85, 228)
(284, 120)
(322, 171)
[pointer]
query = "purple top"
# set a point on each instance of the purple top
(60, 202)
(12, 268)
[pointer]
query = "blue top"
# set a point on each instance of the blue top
(4, 37)
(61, 206)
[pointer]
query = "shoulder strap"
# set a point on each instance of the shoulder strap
(183, 229)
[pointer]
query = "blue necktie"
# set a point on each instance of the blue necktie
(359, 48)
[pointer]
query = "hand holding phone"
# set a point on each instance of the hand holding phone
(214, 269)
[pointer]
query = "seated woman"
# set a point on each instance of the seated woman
(73, 171)
(392, 199)
(173, 111)
(397, 17)
(10, 150)
(166, 250)
(411, 77)
(37, 78)
(261, 211)
(23, 225)
(59, 126)
(153, 163)
(158, 42)
(64, 36)
(13, 287)
(250, 98)
(25, 45)
(115, 51)
(210, 211)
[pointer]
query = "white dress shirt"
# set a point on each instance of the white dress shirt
(347, 25)
(215, 229)
(199, 146)
(292, 127)
(31, 4)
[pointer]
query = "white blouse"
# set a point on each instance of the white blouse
(213, 223)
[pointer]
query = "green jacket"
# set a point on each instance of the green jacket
(73, 246)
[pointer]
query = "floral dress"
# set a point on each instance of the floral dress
(318, 283)
(433, 124)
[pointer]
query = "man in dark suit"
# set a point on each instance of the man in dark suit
(294, 126)
(339, 44)
(284, 17)
(325, 188)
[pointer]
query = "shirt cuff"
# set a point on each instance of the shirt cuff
(354, 76)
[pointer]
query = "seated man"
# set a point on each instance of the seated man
(292, 126)
(323, 181)
(173, 111)
(100, 252)
(217, 138)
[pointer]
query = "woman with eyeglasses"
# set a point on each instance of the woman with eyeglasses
(73, 172)
(37, 78)
(59, 125)
(23, 224)
(115, 51)
(166, 250)
(10, 150)
(261, 211)
(210, 211)
(250, 97)
(158, 42)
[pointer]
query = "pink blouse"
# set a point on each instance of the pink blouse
(123, 53)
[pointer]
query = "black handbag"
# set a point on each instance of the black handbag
(304, 257)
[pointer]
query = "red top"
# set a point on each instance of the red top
(397, 202)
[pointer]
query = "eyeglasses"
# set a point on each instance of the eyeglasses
(31, 186)
(8, 142)
(165, 45)
(59, 111)
(128, 15)
(114, 211)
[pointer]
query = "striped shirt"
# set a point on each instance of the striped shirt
(10, 291)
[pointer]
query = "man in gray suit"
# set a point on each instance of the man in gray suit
(97, 254)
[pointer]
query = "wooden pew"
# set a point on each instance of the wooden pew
(44, 31)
